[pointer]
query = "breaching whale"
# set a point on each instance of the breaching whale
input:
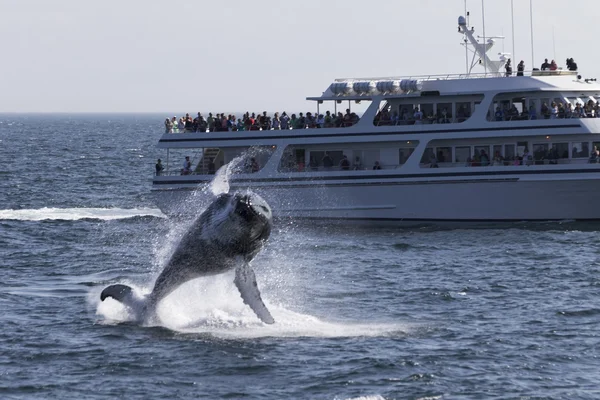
(226, 236)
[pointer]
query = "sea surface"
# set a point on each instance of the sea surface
(430, 312)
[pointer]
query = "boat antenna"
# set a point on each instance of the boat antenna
(553, 43)
(531, 24)
(484, 40)
(465, 42)
(512, 18)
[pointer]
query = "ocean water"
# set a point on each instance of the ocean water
(486, 312)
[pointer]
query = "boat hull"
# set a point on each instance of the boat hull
(469, 199)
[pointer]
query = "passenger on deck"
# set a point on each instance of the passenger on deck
(276, 122)
(527, 158)
(520, 68)
(545, 65)
(328, 123)
(376, 165)
(571, 64)
(347, 118)
(545, 111)
(484, 158)
(553, 66)
(159, 167)
(356, 165)
(499, 115)
(264, 121)
(595, 155)
(344, 163)
(285, 121)
(211, 122)
(327, 161)
(211, 166)
(418, 116)
(168, 126)
(320, 121)
(300, 122)
(175, 125)
(532, 112)
(498, 159)
(553, 111)
(294, 122)
(187, 166)
(508, 68)
(254, 167)
(240, 125)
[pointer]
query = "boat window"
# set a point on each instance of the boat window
(482, 153)
(562, 149)
(509, 152)
(463, 111)
(404, 154)
(428, 156)
(580, 150)
(462, 154)
(497, 150)
(427, 110)
(444, 154)
(540, 152)
(444, 113)
(318, 161)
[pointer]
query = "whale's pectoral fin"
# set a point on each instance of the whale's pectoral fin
(122, 293)
(245, 280)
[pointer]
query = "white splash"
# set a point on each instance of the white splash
(72, 214)
(213, 306)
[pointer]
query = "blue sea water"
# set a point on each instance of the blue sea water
(488, 312)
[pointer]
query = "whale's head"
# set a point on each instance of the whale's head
(239, 223)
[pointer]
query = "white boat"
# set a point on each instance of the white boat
(468, 147)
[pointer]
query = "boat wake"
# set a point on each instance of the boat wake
(212, 306)
(73, 214)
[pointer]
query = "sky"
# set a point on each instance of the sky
(168, 56)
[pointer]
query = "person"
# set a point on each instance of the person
(545, 65)
(175, 125)
(159, 167)
(484, 159)
(344, 163)
(571, 64)
(553, 66)
(168, 126)
(508, 68)
(376, 165)
(187, 166)
(254, 167)
(211, 166)
(327, 161)
(594, 155)
(520, 68)
(356, 165)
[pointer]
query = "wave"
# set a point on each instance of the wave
(73, 214)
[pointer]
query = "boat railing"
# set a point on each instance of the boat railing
(445, 77)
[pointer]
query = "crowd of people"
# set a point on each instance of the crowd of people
(556, 110)
(252, 122)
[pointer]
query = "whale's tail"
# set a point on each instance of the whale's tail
(126, 296)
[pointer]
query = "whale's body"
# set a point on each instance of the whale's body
(226, 236)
